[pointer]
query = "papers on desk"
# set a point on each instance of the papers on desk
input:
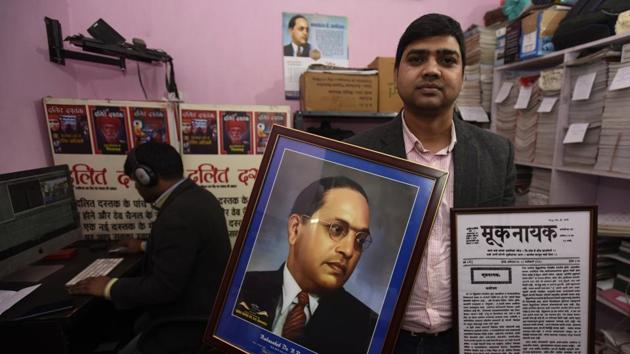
(540, 187)
(8, 298)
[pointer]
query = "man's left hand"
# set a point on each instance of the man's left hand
(90, 286)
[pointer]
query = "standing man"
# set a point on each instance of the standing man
(429, 72)
(298, 30)
(185, 255)
(304, 300)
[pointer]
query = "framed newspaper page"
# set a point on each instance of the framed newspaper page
(523, 279)
(327, 251)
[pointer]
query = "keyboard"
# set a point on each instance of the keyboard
(101, 266)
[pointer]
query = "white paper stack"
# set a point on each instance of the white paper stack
(487, 75)
(613, 224)
(550, 83)
(540, 187)
(614, 142)
(526, 124)
(505, 120)
(479, 70)
(470, 94)
(586, 107)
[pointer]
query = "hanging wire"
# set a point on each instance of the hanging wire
(141, 84)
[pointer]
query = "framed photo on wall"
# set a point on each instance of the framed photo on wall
(523, 279)
(328, 249)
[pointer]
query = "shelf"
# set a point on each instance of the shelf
(556, 58)
(585, 171)
(533, 164)
(299, 116)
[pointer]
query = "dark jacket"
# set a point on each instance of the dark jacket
(484, 171)
(341, 323)
(186, 254)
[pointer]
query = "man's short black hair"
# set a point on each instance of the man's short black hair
(431, 25)
(295, 18)
(162, 158)
(311, 198)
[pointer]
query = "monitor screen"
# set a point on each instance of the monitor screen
(38, 215)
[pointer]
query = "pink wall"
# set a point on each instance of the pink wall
(226, 52)
(27, 76)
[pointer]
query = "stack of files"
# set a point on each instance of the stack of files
(526, 124)
(605, 268)
(540, 188)
(614, 143)
(471, 90)
(487, 44)
(550, 83)
(587, 111)
(471, 42)
(505, 120)
(487, 77)
(613, 224)
(480, 45)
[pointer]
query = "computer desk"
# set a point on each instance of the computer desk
(77, 330)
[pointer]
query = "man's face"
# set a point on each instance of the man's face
(234, 134)
(299, 32)
(429, 77)
(110, 133)
(317, 262)
(54, 125)
(186, 127)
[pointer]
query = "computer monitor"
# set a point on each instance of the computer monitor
(38, 215)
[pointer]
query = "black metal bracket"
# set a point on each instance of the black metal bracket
(112, 54)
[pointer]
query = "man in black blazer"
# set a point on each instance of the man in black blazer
(304, 300)
(298, 30)
(185, 255)
(428, 71)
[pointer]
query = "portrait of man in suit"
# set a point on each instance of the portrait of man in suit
(298, 31)
(304, 300)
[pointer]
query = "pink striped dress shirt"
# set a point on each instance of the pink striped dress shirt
(429, 306)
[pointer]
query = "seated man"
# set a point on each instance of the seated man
(186, 253)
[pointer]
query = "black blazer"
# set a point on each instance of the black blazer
(341, 323)
(288, 50)
(186, 254)
(484, 171)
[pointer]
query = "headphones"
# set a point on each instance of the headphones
(142, 173)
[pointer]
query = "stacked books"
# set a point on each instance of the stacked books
(589, 79)
(550, 83)
(526, 121)
(614, 143)
(480, 45)
(505, 120)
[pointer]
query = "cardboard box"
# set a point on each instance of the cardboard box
(388, 99)
(332, 92)
(537, 30)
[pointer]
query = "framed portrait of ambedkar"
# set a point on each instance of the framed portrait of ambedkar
(328, 249)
